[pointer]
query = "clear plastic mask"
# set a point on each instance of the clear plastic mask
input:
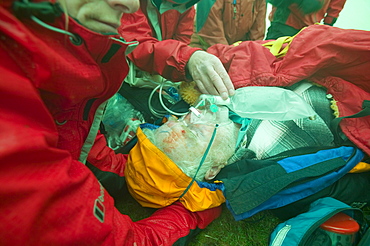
(185, 140)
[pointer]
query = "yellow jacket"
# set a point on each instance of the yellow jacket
(155, 181)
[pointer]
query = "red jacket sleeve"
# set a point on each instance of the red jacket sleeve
(180, 30)
(47, 198)
(167, 58)
(335, 7)
(104, 158)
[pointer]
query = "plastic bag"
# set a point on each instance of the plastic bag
(265, 103)
(269, 103)
(121, 121)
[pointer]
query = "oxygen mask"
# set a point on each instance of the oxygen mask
(209, 110)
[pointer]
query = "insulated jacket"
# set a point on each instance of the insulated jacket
(298, 14)
(172, 23)
(316, 55)
(52, 88)
(226, 22)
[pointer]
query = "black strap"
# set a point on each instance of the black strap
(339, 135)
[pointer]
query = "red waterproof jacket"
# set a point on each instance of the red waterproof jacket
(294, 17)
(335, 58)
(173, 25)
(50, 89)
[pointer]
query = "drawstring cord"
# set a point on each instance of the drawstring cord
(40, 12)
(73, 37)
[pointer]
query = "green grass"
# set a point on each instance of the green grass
(224, 231)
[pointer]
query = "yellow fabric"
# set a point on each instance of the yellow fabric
(237, 43)
(155, 181)
(361, 167)
(277, 47)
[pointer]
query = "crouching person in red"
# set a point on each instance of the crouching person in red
(60, 62)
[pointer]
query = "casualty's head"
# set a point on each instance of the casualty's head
(185, 141)
(102, 16)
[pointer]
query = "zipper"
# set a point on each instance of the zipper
(87, 108)
(318, 223)
(281, 235)
(89, 141)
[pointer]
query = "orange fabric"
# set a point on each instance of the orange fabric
(155, 181)
(361, 167)
(225, 25)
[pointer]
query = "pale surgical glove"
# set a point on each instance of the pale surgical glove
(210, 75)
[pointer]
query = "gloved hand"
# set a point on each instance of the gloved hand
(210, 75)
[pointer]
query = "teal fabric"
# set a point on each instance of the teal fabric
(203, 9)
(252, 186)
(302, 229)
(244, 122)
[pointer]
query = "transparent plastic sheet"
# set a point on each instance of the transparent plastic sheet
(121, 121)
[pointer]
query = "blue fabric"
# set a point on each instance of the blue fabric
(148, 126)
(211, 186)
(295, 193)
(294, 163)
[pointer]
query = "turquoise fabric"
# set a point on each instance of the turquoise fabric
(203, 9)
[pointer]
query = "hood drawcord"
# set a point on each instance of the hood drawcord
(40, 12)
